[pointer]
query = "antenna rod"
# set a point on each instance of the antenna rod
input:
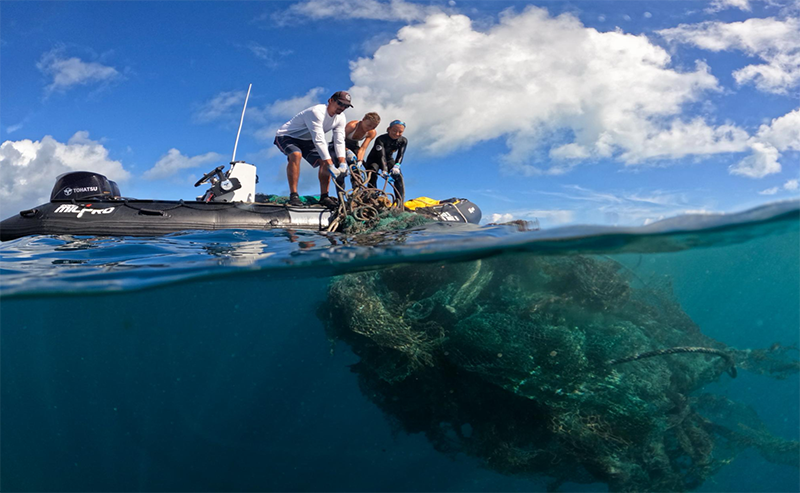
(233, 159)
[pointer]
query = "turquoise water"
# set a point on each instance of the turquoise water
(197, 361)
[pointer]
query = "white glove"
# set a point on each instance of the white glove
(334, 171)
(360, 164)
(343, 170)
(396, 170)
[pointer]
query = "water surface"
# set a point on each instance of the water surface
(197, 361)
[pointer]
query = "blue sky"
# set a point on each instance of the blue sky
(596, 112)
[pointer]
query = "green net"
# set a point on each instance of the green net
(384, 220)
(282, 199)
(513, 362)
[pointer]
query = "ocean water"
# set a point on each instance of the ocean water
(198, 361)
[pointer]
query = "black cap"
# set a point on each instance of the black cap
(343, 96)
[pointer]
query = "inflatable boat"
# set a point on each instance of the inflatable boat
(87, 203)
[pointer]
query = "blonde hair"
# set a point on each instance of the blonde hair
(372, 116)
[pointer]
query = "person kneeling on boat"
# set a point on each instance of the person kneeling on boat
(382, 160)
(304, 137)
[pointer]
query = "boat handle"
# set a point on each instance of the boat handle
(29, 212)
(150, 212)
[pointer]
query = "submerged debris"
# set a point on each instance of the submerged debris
(518, 363)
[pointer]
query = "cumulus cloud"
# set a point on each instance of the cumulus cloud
(68, 72)
(173, 161)
(718, 5)
(762, 162)
(782, 134)
(393, 10)
(790, 186)
(29, 168)
(615, 95)
(776, 42)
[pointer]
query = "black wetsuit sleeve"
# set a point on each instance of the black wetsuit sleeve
(401, 150)
(379, 151)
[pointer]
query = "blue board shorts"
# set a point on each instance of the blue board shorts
(289, 145)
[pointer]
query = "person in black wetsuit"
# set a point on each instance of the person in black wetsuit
(382, 159)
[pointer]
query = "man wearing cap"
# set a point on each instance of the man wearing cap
(304, 137)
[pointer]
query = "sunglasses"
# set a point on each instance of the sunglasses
(343, 105)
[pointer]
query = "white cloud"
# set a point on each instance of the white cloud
(615, 95)
(29, 168)
(769, 191)
(776, 42)
(681, 139)
(223, 105)
(569, 151)
(718, 5)
(173, 161)
(790, 186)
(501, 218)
(227, 106)
(782, 134)
(552, 217)
(287, 108)
(393, 10)
(68, 72)
(762, 162)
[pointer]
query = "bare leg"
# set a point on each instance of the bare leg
(324, 178)
(293, 171)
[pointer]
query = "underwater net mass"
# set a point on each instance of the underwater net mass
(569, 367)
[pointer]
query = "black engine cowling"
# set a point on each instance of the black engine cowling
(82, 185)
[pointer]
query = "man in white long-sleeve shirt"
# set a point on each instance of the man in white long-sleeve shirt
(304, 137)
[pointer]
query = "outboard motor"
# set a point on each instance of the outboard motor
(115, 190)
(82, 185)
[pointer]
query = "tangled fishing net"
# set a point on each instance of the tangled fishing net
(565, 367)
